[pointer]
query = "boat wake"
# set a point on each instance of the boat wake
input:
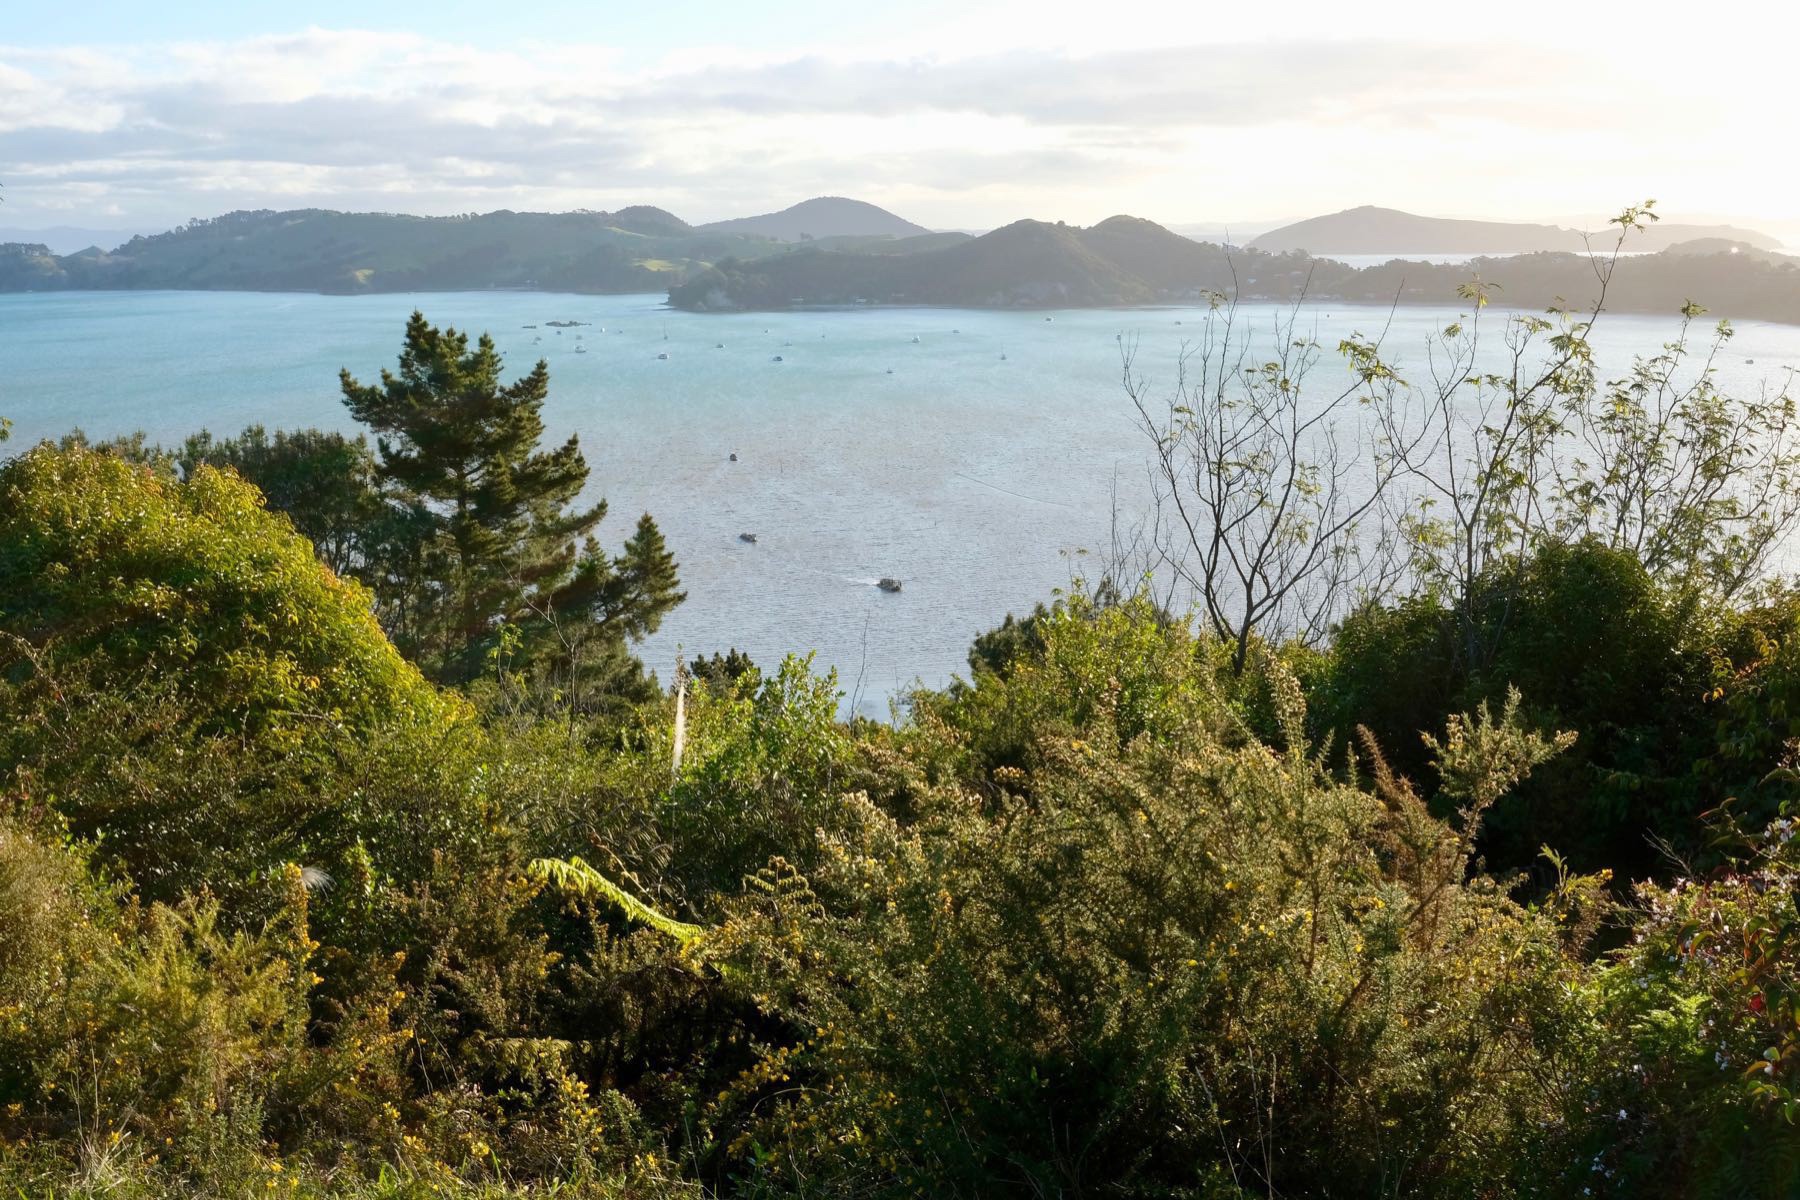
(1008, 492)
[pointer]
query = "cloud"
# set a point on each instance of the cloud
(1177, 85)
(349, 119)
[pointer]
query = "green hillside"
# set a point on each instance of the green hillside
(1028, 264)
(634, 249)
(1126, 260)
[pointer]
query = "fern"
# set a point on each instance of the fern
(575, 877)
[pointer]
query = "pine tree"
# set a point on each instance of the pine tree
(461, 444)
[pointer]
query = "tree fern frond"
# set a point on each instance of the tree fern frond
(574, 876)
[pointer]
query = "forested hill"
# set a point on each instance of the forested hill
(635, 249)
(1126, 260)
(1121, 261)
(822, 217)
(1372, 230)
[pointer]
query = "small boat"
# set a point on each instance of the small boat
(890, 370)
(777, 358)
(664, 356)
(734, 456)
(581, 349)
(747, 537)
(530, 326)
(888, 584)
(718, 345)
(915, 341)
(1003, 356)
(1049, 318)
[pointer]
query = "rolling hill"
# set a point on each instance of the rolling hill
(1122, 260)
(1127, 260)
(822, 217)
(1027, 264)
(1371, 230)
(634, 249)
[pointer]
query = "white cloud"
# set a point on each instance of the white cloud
(1175, 124)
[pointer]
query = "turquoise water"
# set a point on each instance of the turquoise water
(979, 481)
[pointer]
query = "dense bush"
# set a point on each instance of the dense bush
(277, 916)
(1129, 948)
(136, 576)
(1677, 702)
(1697, 1095)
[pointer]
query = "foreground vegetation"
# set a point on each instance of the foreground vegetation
(346, 852)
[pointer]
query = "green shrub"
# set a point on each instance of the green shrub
(137, 575)
(1595, 645)
(1698, 1087)
(1143, 953)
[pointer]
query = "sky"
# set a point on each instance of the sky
(141, 115)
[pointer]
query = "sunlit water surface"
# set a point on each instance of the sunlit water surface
(974, 455)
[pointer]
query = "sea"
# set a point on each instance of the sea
(982, 458)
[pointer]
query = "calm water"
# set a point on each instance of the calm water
(977, 480)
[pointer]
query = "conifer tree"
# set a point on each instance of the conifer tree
(457, 441)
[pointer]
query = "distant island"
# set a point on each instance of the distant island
(822, 217)
(864, 255)
(1127, 261)
(636, 249)
(1372, 230)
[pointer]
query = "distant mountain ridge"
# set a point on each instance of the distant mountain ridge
(1123, 260)
(1120, 261)
(1372, 230)
(67, 239)
(634, 249)
(1130, 261)
(822, 217)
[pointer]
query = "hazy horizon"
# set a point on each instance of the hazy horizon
(957, 116)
